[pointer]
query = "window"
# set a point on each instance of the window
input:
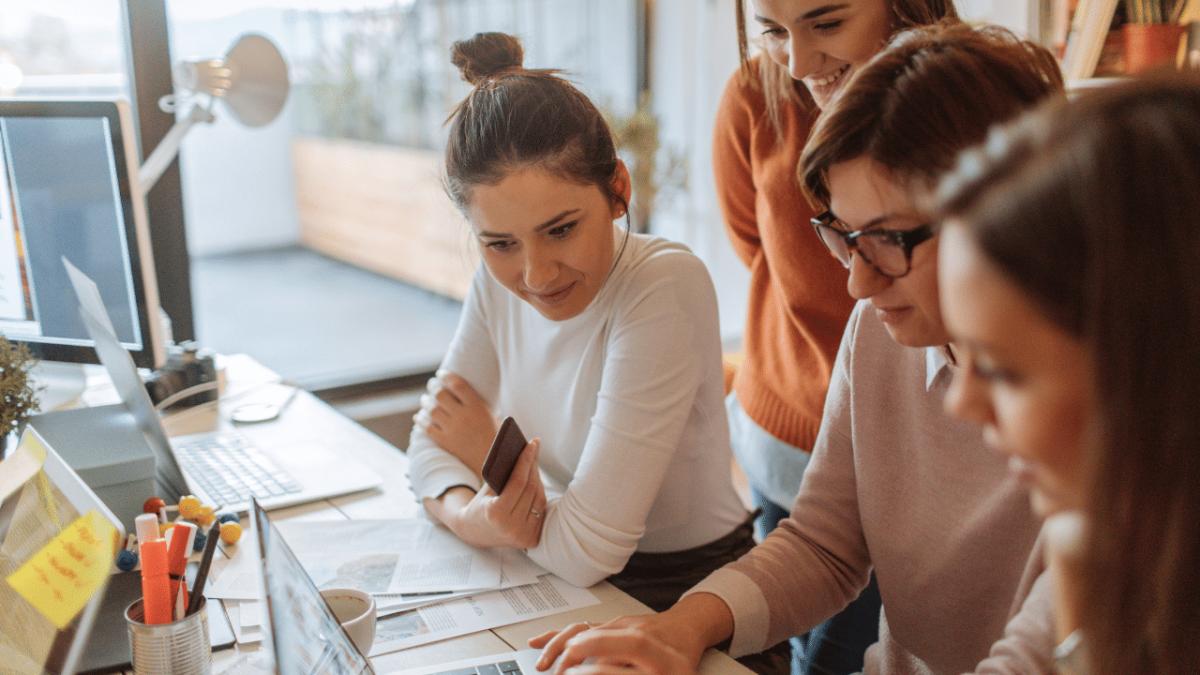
(323, 244)
(62, 48)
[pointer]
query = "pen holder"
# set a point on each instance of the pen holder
(179, 648)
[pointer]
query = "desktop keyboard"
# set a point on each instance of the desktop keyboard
(230, 469)
(498, 668)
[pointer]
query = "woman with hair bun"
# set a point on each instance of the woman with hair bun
(602, 344)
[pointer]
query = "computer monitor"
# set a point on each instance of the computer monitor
(68, 189)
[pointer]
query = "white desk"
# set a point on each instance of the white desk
(308, 419)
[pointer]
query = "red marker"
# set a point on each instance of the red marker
(156, 586)
(182, 538)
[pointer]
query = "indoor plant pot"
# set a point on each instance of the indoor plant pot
(1149, 46)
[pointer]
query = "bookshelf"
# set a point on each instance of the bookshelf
(1088, 36)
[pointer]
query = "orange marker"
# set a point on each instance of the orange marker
(156, 586)
(182, 536)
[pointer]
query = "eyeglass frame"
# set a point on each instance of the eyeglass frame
(907, 240)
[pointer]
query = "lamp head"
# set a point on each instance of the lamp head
(251, 81)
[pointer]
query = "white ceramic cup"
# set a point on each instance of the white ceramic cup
(355, 610)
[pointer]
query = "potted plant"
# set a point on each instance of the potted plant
(18, 396)
(656, 172)
(1151, 33)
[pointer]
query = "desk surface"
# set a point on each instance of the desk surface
(308, 419)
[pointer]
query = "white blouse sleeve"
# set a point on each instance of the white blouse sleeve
(651, 375)
(472, 356)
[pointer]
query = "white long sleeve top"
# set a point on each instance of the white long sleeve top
(627, 398)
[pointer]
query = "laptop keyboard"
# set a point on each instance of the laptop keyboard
(230, 469)
(499, 668)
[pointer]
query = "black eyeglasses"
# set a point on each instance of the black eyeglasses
(889, 252)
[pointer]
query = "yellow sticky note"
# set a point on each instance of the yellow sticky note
(60, 579)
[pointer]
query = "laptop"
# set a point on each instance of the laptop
(304, 637)
(224, 467)
(28, 640)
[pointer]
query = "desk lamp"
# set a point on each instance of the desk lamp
(251, 81)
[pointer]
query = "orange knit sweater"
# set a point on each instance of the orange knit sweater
(798, 302)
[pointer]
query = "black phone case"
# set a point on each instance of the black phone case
(502, 457)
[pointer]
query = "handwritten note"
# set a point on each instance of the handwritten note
(62, 577)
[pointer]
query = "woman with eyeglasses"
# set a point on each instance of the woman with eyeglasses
(1072, 293)
(895, 486)
(797, 306)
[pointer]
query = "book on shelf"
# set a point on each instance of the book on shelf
(1089, 29)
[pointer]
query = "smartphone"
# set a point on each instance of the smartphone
(502, 457)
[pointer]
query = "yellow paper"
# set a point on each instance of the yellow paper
(60, 579)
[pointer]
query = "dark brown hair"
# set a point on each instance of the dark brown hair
(931, 93)
(516, 117)
(777, 83)
(1093, 209)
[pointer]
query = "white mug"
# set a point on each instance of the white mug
(355, 610)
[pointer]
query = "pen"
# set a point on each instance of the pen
(210, 546)
(182, 536)
(156, 587)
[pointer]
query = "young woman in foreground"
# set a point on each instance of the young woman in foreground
(1071, 288)
(602, 344)
(894, 486)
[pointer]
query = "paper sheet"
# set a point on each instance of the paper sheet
(244, 634)
(484, 611)
(235, 578)
(21, 465)
(390, 556)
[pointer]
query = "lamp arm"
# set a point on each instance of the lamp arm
(161, 158)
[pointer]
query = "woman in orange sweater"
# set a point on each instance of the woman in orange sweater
(798, 304)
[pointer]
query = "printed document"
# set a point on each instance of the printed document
(484, 611)
(390, 556)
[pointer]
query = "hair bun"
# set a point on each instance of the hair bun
(486, 54)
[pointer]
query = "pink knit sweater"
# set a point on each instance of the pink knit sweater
(896, 485)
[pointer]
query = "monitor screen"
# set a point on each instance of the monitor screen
(65, 193)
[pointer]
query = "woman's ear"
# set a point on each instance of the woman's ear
(621, 185)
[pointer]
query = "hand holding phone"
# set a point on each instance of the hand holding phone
(502, 456)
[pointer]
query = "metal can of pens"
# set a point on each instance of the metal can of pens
(180, 647)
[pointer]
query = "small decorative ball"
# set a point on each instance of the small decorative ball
(164, 528)
(153, 504)
(206, 516)
(228, 518)
(231, 532)
(201, 540)
(127, 560)
(189, 507)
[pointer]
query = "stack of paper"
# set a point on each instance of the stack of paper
(428, 585)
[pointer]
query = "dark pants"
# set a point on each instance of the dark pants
(658, 579)
(836, 646)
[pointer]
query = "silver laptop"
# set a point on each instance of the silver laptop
(304, 637)
(222, 467)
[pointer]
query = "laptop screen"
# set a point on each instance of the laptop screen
(302, 631)
(128, 383)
